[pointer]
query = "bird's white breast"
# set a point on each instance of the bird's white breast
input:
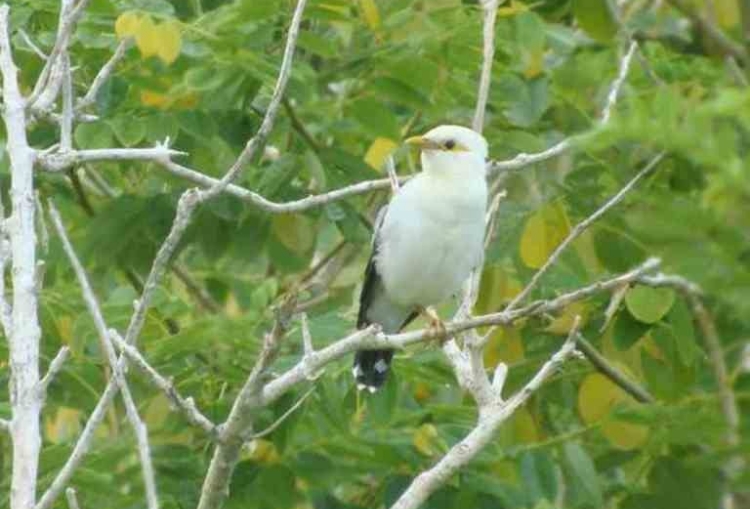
(432, 237)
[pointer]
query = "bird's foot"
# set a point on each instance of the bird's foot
(436, 326)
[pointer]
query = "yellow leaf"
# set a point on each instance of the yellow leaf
(564, 321)
(524, 427)
(147, 37)
(379, 151)
(154, 99)
(505, 345)
(586, 251)
(65, 329)
(513, 9)
(294, 231)
(262, 451)
(624, 435)
(542, 233)
(727, 13)
(170, 41)
(127, 24)
(533, 63)
(496, 288)
(64, 427)
(597, 396)
(157, 411)
(426, 440)
(422, 392)
(370, 13)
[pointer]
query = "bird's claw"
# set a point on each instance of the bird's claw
(436, 326)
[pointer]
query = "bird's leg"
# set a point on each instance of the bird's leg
(436, 324)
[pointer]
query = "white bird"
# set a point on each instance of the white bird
(427, 241)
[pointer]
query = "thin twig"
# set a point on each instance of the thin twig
(185, 405)
(580, 228)
(464, 451)
(54, 368)
(256, 142)
(201, 294)
(117, 367)
(607, 369)
(70, 494)
(31, 44)
(66, 124)
(50, 79)
(390, 168)
(284, 416)
(239, 422)
(103, 75)
(489, 9)
(617, 84)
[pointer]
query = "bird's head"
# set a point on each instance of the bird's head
(449, 148)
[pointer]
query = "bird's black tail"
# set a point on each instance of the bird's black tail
(371, 368)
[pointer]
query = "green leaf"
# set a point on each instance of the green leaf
(375, 119)
(597, 18)
(648, 304)
(539, 476)
(530, 101)
(684, 332)
(582, 475)
(128, 130)
(92, 135)
(627, 331)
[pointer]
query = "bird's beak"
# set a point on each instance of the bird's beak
(422, 143)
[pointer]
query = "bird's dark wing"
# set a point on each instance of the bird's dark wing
(373, 292)
(372, 278)
(371, 366)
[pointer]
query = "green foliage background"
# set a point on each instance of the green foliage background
(365, 71)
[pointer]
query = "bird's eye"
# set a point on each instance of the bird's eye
(450, 144)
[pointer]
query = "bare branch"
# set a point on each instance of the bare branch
(50, 79)
(523, 160)
(80, 449)
(259, 139)
(104, 74)
(390, 168)
(581, 227)
(617, 84)
(489, 421)
(66, 124)
(31, 44)
(54, 368)
(185, 405)
(118, 367)
(70, 494)
(62, 160)
(6, 312)
(24, 332)
(368, 338)
(489, 8)
(236, 429)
